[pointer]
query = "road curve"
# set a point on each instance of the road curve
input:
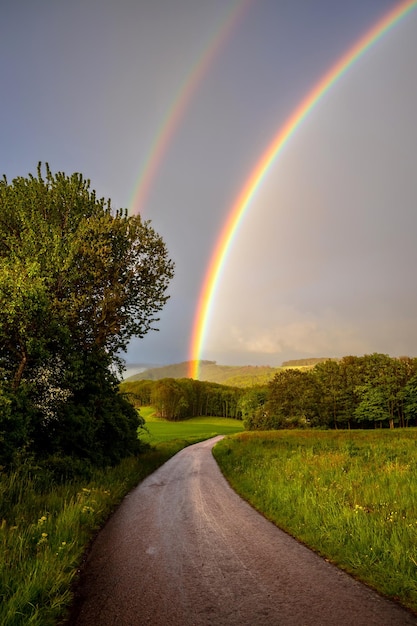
(184, 549)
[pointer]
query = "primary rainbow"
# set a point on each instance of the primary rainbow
(257, 175)
(180, 103)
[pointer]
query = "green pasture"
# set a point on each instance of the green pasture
(192, 430)
(349, 495)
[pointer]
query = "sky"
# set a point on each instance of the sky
(323, 262)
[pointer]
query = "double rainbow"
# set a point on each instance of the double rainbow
(256, 177)
(181, 101)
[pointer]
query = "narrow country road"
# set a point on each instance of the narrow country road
(184, 550)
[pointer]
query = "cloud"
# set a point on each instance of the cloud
(286, 333)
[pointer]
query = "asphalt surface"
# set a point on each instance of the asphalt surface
(184, 549)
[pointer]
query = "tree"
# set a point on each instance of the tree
(351, 378)
(381, 389)
(328, 374)
(294, 399)
(77, 282)
(372, 407)
(410, 400)
(251, 401)
(169, 398)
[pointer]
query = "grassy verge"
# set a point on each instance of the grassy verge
(351, 496)
(46, 527)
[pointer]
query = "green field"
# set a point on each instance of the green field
(349, 495)
(192, 430)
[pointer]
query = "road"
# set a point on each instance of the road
(184, 549)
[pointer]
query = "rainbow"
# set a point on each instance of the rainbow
(180, 103)
(256, 177)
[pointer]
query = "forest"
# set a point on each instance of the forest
(367, 391)
(178, 399)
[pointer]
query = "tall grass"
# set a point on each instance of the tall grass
(351, 496)
(45, 528)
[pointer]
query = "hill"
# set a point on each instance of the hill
(310, 362)
(210, 371)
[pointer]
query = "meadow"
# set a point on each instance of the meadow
(192, 430)
(46, 527)
(349, 495)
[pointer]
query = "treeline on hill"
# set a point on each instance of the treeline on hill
(353, 392)
(232, 375)
(307, 362)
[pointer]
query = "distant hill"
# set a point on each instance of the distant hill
(235, 375)
(131, 369)
(311, 362)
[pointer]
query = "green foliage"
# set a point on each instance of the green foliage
(293, 400)
(372, 404)
(169, 399)
(178, 399)
(351, 496)
(77, 281)
(138, 391)
(368, 391)
(409, 397)
(252, 402)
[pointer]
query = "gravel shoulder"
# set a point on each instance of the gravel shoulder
(184, 549)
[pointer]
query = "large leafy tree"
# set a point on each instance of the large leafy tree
(294, 398)
(77, 281)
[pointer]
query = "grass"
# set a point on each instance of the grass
(192, 430)
(46, 527)
(351, 496)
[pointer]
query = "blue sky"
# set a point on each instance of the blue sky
(324, 262)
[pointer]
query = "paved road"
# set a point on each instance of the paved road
(184, 550)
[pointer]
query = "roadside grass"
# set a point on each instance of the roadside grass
(349, 495)
(46, 526)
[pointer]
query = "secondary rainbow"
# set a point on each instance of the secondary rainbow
(256, 177)
(180, 103)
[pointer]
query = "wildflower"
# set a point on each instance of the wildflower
(43, 539)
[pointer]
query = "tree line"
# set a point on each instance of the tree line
(367, 391)
(178, 399)
(354, 392)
